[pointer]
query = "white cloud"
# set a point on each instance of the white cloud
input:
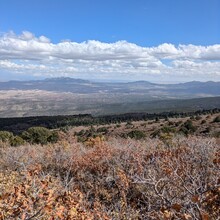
(33, 55)
(26, 35)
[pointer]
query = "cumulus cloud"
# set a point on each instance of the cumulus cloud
(33, 55)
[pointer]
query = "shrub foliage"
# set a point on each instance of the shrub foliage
(40, 135)
(114, 179)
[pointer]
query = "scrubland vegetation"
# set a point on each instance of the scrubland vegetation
(156, 169)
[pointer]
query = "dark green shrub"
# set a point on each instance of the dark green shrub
(136, 134)
(65, 129)
(217, 119)
(80, 133)
(129, 124)
(53, 138)
(157, 119)
(17, 141)
(6, 136)
(216, 134)
(171, 123)
(92, 129)
(166, 118)
(40, 135)
(102, 130)
(188, 127)
(205, 131)
(198, 117)
(155, 133)
(166, 129)
(85, 135)
(203, 122)
(81, 139)
(178, 123)
(184, 130)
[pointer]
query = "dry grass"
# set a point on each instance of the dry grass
(114, 179)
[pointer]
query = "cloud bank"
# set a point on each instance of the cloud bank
(38, 56)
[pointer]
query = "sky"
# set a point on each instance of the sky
(154, 40)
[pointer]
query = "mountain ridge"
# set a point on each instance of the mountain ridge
(81, 86)
(74, 96)
(55, 79)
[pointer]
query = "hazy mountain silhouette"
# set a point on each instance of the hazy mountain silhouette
(67, 84)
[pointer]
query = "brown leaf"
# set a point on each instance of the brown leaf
(195, 198)
(176, 207)
(205, 216)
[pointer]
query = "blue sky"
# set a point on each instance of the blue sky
(164, 32)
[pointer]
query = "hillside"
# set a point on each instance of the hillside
(164, 168)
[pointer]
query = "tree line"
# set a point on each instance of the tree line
(18, 125)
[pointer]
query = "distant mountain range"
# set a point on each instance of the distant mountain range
(68, 96)
(79, 86)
